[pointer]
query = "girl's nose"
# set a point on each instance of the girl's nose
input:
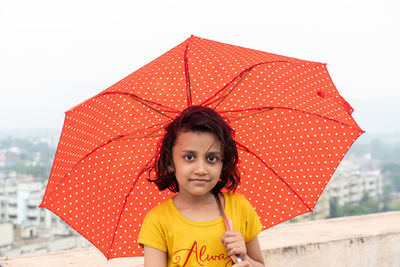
(200, 168)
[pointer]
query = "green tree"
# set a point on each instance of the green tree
(351, 209)
(371, 204)
(393, 206)
(396, 181)
(333, 208)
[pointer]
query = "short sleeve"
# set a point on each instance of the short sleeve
(252, 222)
(152, 233)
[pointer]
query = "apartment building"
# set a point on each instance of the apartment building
(350, 182)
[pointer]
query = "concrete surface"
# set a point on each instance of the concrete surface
(361, 241)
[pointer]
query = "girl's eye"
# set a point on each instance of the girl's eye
(189, 157)
(212, 159)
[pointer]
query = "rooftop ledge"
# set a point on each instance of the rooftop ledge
(370, 240)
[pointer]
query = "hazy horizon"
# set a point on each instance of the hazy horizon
(375, 115)
(50, 62)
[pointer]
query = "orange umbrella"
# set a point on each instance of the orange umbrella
(292, 129)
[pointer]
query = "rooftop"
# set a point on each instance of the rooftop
(370, 240)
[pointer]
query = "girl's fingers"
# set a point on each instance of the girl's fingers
(234, 244)
(236, 250)
(231, 234)
(231, 237)
(242, 264)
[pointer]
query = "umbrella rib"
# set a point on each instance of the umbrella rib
(143, 102)
(188, 87)
(225, 96)
(277, 175)
(126, 201)
(114, 139)
(243, 117)
(59, 214)
(262, 109)
(244, 72)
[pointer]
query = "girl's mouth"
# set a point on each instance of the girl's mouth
(199, 180)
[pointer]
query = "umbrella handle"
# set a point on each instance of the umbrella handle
(228, 223)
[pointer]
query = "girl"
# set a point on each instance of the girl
(197, 159)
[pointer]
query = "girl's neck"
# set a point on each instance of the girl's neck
(190, 200)
(200, 209)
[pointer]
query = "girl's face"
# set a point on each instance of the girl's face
(197, 158)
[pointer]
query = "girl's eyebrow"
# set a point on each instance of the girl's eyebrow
(189, 152)
(194, 152)
(214, 152)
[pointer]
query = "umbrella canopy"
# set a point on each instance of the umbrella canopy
(292, 129)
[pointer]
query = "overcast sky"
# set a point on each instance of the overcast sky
(55, 54)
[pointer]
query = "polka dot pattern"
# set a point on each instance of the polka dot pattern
(292, 128)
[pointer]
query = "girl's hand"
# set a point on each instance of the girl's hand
(242, 264)
(235, 245)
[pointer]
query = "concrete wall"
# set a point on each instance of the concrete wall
(362, 241)
(6, 234)
(43, 245)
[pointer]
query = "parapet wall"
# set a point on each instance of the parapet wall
(361, 241)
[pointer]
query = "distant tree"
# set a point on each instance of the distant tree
(29, 150)
(39, 170)
(333, 208)
(371, 204)
(393, 206)
(19, 167)
(366, 205)
(358, 149)
(390, 167)
(396, 182)
(351, 209)
(389, 194)
(392, 172)
(6, 143)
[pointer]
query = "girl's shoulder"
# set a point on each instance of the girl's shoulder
(160, 209)
(233, 195)
(235, 198)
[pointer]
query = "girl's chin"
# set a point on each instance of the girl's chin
(201, 192)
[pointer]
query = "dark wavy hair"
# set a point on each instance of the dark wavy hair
(197, 119)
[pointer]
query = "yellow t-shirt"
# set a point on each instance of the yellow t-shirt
(189, 243)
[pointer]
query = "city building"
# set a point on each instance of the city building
(28, 228)
(351, 182)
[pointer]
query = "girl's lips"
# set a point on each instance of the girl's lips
(199, 180)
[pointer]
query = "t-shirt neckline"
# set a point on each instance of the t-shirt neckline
(195, 223)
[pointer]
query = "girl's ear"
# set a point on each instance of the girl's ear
(171, 169)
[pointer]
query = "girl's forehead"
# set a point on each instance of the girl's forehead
(196, 140)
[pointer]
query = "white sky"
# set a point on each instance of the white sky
(55, 54)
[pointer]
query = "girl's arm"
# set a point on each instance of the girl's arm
(254, 255)
(154, 257)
